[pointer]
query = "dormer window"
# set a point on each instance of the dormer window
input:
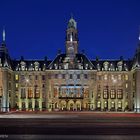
(23, 64)
(106, 66)
(119, 64)
(22, 68)
(36, 66)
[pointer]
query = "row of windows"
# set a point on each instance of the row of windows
(113, 94)
(112, 104)
(70, 76)
(30, 105)
(30, 93)
(30, 77)
(114, 77)
(78, 76)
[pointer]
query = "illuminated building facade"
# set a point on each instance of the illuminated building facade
(71, 82)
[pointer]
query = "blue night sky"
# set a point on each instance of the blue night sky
(36, 28)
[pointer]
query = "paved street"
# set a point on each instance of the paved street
(77, 124)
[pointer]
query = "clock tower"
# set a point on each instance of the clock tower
(71, 39)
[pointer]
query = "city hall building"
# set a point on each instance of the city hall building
(70, 82)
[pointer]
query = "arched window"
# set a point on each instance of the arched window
(119, 104)
(99, 104)
(119, 65)
(106, 65)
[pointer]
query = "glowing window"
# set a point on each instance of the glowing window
(16, 85)
(98, 104)
(119, 104)
(119, 77)
(16, 77)
(105, 77)
(105, 104)
(126, 77)
(112, 104)
(105, 94)
(126, 85)
(112, 94)
(120, 94)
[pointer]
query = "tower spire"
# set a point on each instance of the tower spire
(3, 35)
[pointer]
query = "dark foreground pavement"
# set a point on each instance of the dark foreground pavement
(70, 126)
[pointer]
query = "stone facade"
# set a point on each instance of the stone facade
(71, 82)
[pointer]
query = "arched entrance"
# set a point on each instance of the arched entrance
(63, 105)
(70, 105)
(78, 105)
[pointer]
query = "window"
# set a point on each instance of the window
(43, 105)
(37, 93)
(16, 85)
(22, 68)
(43, 85)
(105, 94)
(120, 94)
(98, 104)
(30, 93)
(119, 77)
(30, 105)
(36, 66)
(119, 64)
(126, 77)
(99, 94)
(112, 94)
(106, 64)
(23, 105)
(16, 77)
(43, 77)
(105, 77)
(113, 104)
(112, 77)
(105, 104)
(36, 104)
(119, 104)
(126, 85)
(78, 76)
